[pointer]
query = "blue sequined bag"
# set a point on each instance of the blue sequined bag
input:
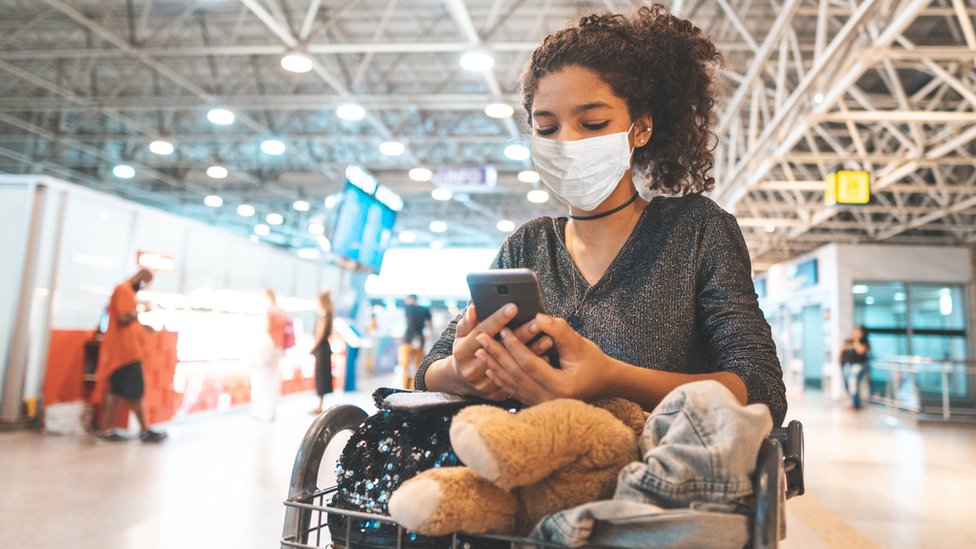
(409, 434)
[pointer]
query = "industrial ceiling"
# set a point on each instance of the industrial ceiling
(812, 86)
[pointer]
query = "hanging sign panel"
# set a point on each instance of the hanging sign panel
(848, 187)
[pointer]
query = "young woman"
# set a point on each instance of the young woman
(322, 350)
(643, 296)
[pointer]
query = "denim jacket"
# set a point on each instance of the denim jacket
(698, 451)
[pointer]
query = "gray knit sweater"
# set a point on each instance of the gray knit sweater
(678, 297)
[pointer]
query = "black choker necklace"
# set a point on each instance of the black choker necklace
(606, 213)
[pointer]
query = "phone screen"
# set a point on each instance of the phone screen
(492, 290)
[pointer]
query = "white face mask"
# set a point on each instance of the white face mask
(584, 172)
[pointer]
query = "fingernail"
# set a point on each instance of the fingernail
(545, 343)
(505, 333)
(534, 327)
(510, 309)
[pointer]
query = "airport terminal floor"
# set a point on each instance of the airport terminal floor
(874, 479)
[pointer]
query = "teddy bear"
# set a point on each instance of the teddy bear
(520, 467)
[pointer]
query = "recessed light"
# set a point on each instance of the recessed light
(537, 196)
(245, 210)
(217, 172)
(437, 226)
(528, 176)
(301, 206)
(407, 237)
(161, 147)
(316, 229)
(274, 219)
(505, 225)
(213, 201)
(477, 61)
(124, 171)
(517, 151)
(297, 61)
(273, 147)
(330, 201)
(350, 111)
(392, 148)
(499, 110)
(420, 174)
(262, 230)
(221, 117)
(441, 194)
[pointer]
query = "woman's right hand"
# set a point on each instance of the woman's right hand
(469, 369)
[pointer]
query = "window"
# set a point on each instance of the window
(918, 319)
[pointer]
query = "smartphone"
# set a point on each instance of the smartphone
(491, 290)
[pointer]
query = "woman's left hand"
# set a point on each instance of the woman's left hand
(583, 374)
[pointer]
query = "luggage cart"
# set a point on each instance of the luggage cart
(307, 512)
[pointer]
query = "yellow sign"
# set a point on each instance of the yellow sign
(848, 187)
(830, 191)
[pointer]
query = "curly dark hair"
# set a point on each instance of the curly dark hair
(660, 65)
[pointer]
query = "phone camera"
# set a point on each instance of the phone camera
(503, 290)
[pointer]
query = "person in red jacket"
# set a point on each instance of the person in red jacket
(120, 359)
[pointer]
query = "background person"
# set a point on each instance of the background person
(643, 296)
(412, 348)
(854, 364)
(322, 350)
(266, 371)
(120, 359)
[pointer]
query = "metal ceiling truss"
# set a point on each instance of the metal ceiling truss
(881, 85)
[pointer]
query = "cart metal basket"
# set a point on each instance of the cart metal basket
(307, 513)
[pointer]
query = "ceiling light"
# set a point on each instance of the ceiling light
(517, 151)
(262, 230)
(859, 289)
(818, 98)
(869, 300)
(217, 172)
(272, 147)
(899, 296)
(324, 243)
(274, 219)
(528, 176)
(308, 253)
(770, 228)
(213, 201)
(437, 226)
(441, 194)
(245, 210)
(316, 229)
(330, 201)
(538, 196)
(161, 147)
(421, 174)
(221, 117)
(505, 225)
(392, 148)
(296, 61)
(350, 111)
(477, 61)
(499, 110)
(407, 237)
(124, 171)
(301, 206)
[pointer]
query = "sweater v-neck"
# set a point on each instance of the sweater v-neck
(559, 225)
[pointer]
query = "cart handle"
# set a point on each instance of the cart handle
(304, 474)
